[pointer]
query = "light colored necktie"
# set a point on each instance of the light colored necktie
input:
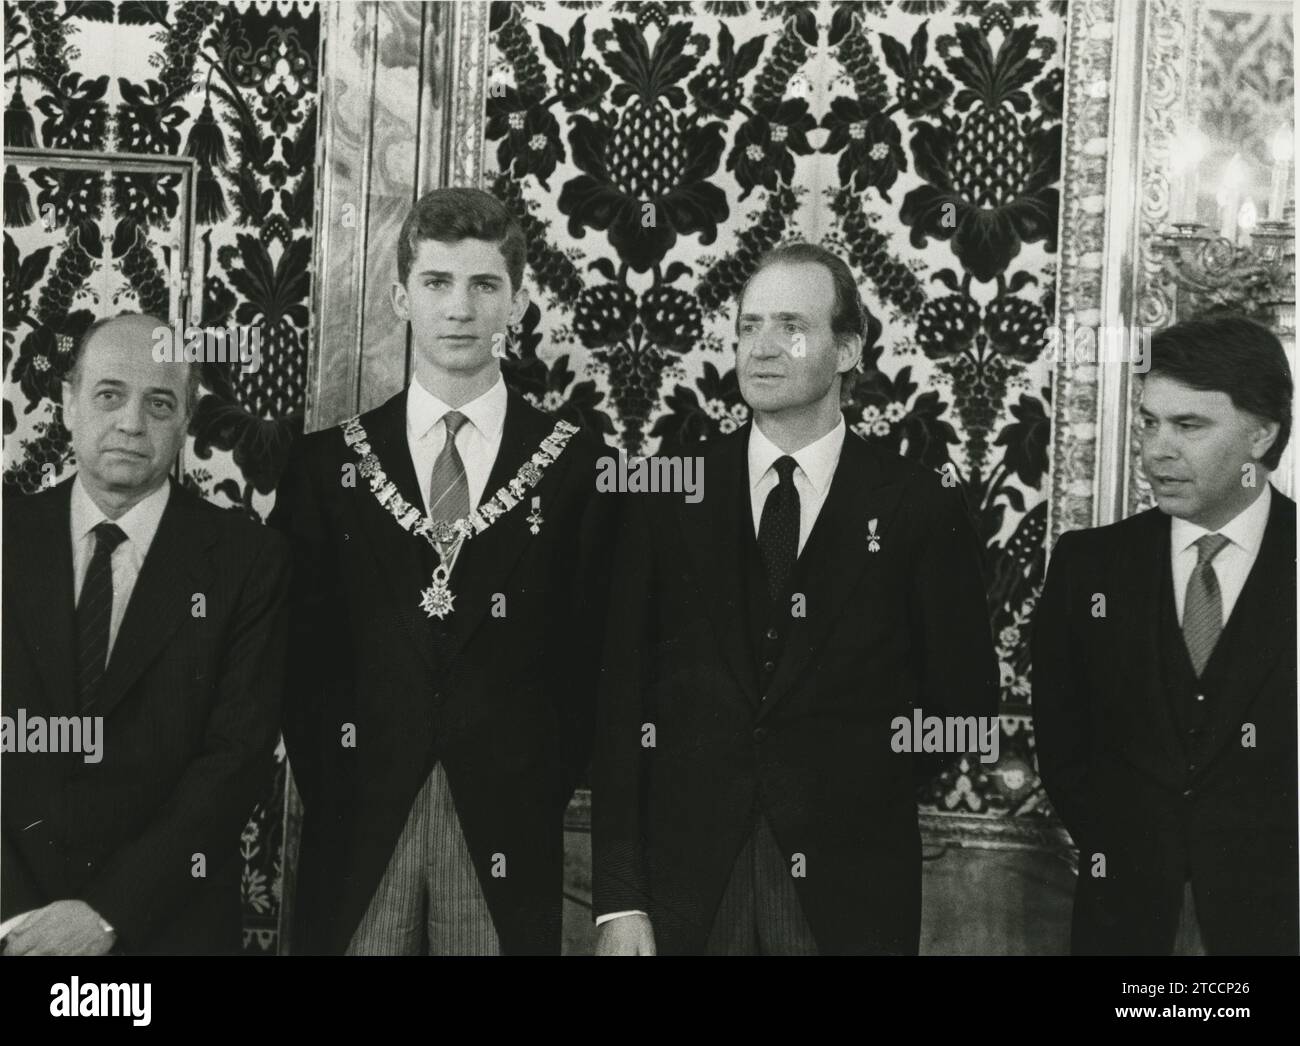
(448, 489)
(1203, 606)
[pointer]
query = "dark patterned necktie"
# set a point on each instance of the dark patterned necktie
(1203, 606)
(778, 528)
(95, 612)
(448, 489)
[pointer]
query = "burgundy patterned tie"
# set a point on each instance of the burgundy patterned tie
(1203, 606)
(95, 611)
(778, 528)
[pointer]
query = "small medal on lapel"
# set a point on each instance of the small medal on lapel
(873, 539)
(535, 520)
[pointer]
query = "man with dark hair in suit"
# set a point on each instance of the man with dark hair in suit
(154, 623)
(1165, 668)
(747, 794)
(444, 649)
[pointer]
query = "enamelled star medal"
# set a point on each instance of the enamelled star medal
(449, 537)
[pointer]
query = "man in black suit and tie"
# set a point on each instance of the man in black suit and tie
(156, 623)
(747, 796)
(444, 643)
(1164, 663)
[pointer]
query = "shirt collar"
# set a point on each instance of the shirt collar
(817, 461)
(424, 410)
(139, 523)
(1245, 530)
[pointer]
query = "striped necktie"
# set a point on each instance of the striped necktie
(448, 489)
(1203, 606)
(95, 612)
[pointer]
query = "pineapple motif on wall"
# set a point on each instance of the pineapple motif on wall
(918, 138)
(233, 86)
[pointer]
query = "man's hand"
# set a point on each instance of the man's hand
(61, 928)
(626, 935)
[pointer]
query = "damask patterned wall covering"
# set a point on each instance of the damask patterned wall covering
(655, 150)
(920, 137)
(1246, 94)
(233, 86)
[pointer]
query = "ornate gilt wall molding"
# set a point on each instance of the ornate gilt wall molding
(348, 42)
(403, 93)
(1089, 61)
(1129, 72)
(1170, 73)
(469, 97)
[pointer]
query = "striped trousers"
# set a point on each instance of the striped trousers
(760, 912)
(429, 901)
(1187, 938)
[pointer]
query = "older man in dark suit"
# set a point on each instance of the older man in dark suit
(139, 616)
(749, 794)
(1164, 659)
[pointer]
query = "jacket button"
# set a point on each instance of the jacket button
(1200, 697)
(1189, 793)
(760, 734)
(772, 633)
(768, 666)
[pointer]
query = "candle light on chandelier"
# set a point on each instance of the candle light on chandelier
(1279, 191)
(1185, 158)
(1247, 219)
(1229, 197)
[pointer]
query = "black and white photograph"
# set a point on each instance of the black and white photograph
(613, 478)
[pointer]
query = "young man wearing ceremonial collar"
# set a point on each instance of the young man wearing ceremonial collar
(746, 795)
(444, 653)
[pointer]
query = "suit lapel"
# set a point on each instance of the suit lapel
(486, 560)
(178, 566)
(718, 530)
(47, 602)
(407, 559)
(1144, 591)
(1261, 629)
(835, 555)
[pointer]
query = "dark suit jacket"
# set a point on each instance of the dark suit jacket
(1158, 806)
(191, 708)
(884, 632)
(505, 702)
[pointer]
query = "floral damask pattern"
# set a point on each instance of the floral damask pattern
(233, 86)
(655, 150)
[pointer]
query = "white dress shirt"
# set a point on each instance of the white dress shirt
(812, 480)
(1244, 532)
(477, 442)
(139, 524)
